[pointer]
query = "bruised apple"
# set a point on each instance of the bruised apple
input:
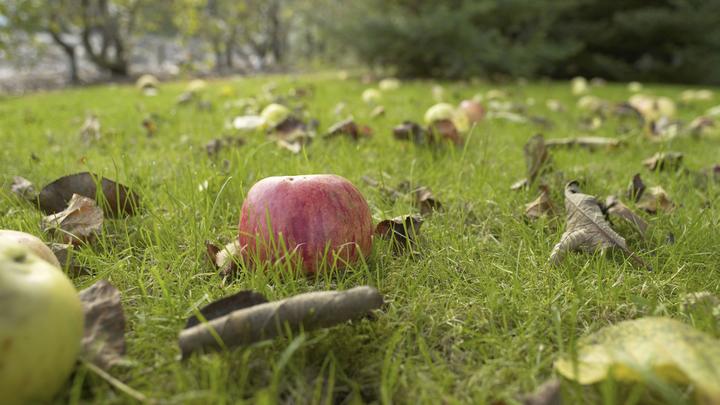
(312, 219)
(41, 326)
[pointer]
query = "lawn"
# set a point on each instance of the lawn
(477, 314)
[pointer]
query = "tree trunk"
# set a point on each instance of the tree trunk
(71, 55)
(276, 42)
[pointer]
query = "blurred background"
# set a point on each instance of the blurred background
(53, 43)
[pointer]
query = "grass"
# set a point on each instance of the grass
(477, 315)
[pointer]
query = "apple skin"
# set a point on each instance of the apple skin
(473, 109)
(32, 242)
(320, 217)
(41, 327)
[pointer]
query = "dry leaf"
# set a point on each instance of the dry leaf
(655, 199)
(266, 321)
(642, 349)
(80, 222)
(90, 130)
(664, 161)
(446, 130)
(537, 158)
(541, 206)
(615, 207)
(115, 199)
(636, 188)
(240, 300)
(589, 142)
(426, 201)
(412, 131)
(701, 126)
(104, 340)
(150, 126)
(548, 393)
(663, 129)
(227, 258)
(23, 188)
(65, 254)
(402, 231)
(587, 229)
(214, 146)
(350, 128)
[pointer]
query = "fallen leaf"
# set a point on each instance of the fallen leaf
(90, 130)
(115, 199)
(226, 305)
(426, 201)
(259, 322)
(663, 129)
(589, 142)
(636, 188)
(664, 161)
(587, 229)
(293, 147)
(347, 127)
(225, 259)
(701, 126)
(401, 231)
(23, 188)
(65, 254)
(537, 158)
(616, 208)
(655, 199)
(541, 206)
(446, 130)
(642, 349)
(80, 222)
(150, 126)
(104, 340)
(548, 393)
(412, 131)
(214, 146)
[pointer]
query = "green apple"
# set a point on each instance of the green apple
(274, 114)
(446, 112)
(41, 326)
(32, 242)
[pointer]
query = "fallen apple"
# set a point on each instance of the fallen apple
(473, 109)
(371, 96)
(274, 114)
(439, 115)
(314, 219)
(41, 326)
(32, 242)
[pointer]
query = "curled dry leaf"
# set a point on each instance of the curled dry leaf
(548, 393)
(587, 230)
(227, 258)
(65, 253)
(240, 300)
(537, 158)
(664, 161)
(615, 207)
(114, 198)
(426, 201)
(104, 340)
(655, 199)
(590, 142)
(648, 348)
(636, 188)
(541, 206)
(402, 231)
(90, 130)
(80, 222)
(266, 321)
(349, 128)
(445, 129)
(412, 131)
(23, 188)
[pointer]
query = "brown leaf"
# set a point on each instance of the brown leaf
(616, 208)
(636, 188)
(80, 222)
(663, 129)
(214, 146)
(225, 259)
(115, 198)
(548, 393)
(590, 142)
(426, 201)
(656, 199)
(305, 312)
(664, 161)
(350, 128)
(150, 126)
(537, 158)
(293, 147)
(23, 188)
(226, 305)
(90, 130)
(541, 206)
(288, 128)
(412, 131)
(104, 340)
(402, 231)
(446, 130)
(587, 230)
(65, 254)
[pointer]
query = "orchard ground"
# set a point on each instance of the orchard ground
(476, 315)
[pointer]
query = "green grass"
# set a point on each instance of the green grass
(477, 315)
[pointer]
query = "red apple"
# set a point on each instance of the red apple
(312, 219)
(474, 110)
